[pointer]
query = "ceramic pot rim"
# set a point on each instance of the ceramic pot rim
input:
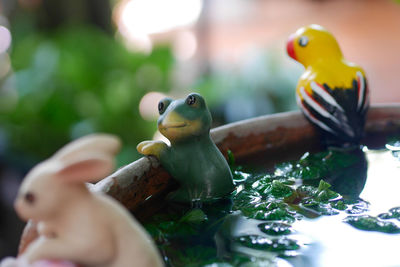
(261, 134)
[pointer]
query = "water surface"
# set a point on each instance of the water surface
(288, 217)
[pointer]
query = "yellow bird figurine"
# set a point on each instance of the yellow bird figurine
(332, 92)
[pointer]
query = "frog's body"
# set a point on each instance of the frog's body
(202, 175)
(192, 159)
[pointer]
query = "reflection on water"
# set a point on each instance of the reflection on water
(338, 244)
(350, 181)
(268, 223)
(383, 185)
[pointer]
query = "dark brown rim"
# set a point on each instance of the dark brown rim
(269, 135)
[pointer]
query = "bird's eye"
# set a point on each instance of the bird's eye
(303, 41)
(29, 197)
(161, 107)
(190, 100)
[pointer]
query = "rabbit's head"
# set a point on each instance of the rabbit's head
(61, 179)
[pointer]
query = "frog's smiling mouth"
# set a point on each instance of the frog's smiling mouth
(173, 120)
(174, 125)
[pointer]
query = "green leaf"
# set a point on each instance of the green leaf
(194, 216)
(323, 186)
(370, 223)
(231, 158)
(268, 244)
(275, 228)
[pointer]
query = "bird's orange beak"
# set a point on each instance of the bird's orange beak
(290, 47)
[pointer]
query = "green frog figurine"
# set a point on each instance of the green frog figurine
(192, 159)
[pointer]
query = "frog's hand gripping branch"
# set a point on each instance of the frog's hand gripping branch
(152, 148)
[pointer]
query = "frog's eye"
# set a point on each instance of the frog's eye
(190, 100)
(303, 41)
(163, 105)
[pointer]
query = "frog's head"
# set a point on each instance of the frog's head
(183, 118)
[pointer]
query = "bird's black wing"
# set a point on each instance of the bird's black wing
(340, 112)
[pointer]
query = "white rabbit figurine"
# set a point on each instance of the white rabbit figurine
(74, 224)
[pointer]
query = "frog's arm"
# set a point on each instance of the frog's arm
(153, 148)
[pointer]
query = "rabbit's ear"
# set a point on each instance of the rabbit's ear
(86, 168)
(101, 143)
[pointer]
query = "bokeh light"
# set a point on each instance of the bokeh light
(185, 45)
(137, 19)
(5, 39)
(148, 105)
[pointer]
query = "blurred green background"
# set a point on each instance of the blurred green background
(71, 75)
(76, 81)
